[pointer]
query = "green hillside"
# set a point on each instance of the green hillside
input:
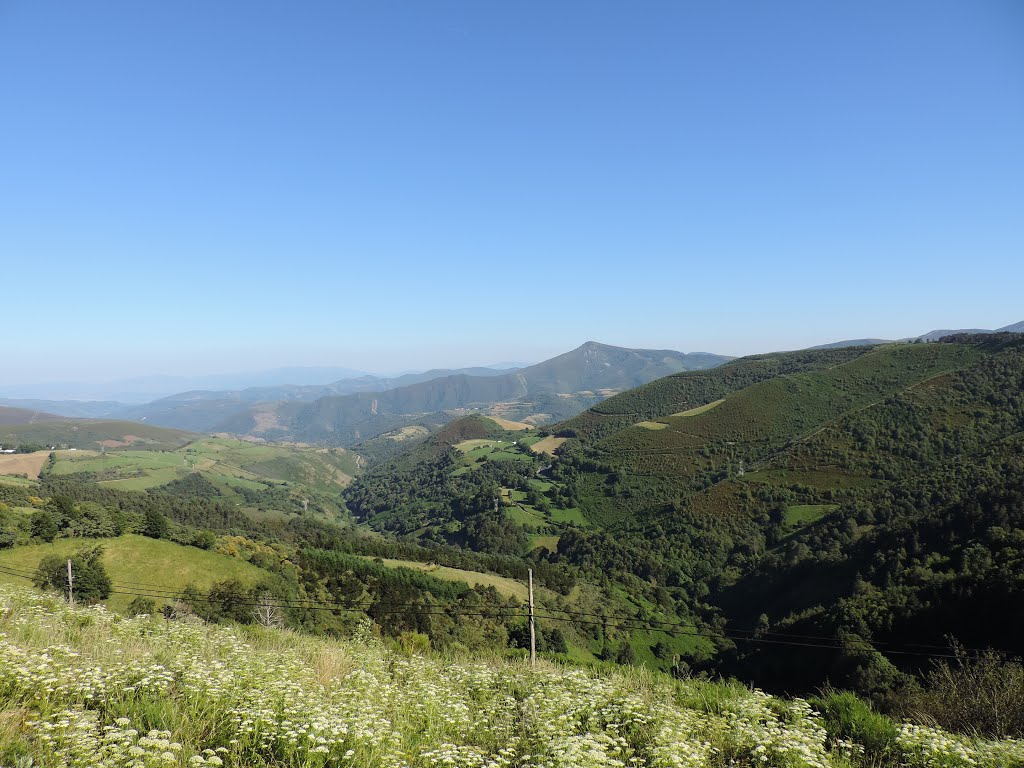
(94, 434)
(137, 563)
(684, 391)
(11, 415)
(831, 516)
(227, 463)
(739, 515)
(774, 499)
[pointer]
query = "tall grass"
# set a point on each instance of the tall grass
(86, 687)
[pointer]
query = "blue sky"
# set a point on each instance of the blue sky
(198, 187)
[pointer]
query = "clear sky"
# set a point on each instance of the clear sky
(197, 186)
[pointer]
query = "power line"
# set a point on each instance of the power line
(571, 617)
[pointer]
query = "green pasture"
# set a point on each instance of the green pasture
(227, 463)
(139, 564)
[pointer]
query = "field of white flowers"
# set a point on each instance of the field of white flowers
(87, 687)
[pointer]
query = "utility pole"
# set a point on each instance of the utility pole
(71, 586)
(533, 628)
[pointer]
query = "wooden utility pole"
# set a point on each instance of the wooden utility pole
(533, 628)
(71, 586)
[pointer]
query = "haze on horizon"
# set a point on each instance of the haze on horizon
(196, 189)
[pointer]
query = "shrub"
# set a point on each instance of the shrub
(141, 606)
(983, 695)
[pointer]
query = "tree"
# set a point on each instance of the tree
(91, 582)
(265, 611)
(626, 654)
(556, 641)
(155, 525)
(44, 526)
(61, 506)
(92, 521)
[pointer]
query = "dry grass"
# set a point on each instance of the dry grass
(655, 425)
(23, 463)
(511, 426)
(507, 587)
(330, 664)
(548, 445)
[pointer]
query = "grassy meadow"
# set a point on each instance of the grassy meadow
(138, 560)
(87, 687)
(226, 462)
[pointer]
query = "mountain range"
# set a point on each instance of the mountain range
(540, 393)
(360, 406)
(869, 495)
(347, 411)
(142, 389)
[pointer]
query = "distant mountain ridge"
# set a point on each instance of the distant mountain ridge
(555, 388)
(24, 416)
(208, 410)
(67, 409)
(142, 389)
(930, 336)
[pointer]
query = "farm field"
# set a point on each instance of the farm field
(547, 445)
(471, 445)
(23, 463)
(492, 450)
(573, 515)
(550, 543)
(665, 424)
(225, 462)
(511, 426)
(133, 559)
